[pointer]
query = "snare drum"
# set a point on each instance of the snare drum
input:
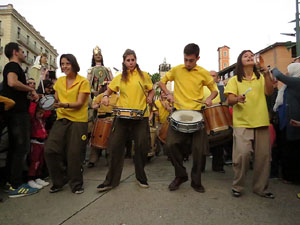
(186, 121)
(101, 132)
(133, 114)
(47, 102)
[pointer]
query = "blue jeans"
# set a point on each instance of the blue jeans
(18, 125)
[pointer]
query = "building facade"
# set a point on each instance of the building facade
(163, 69)
(223, 57)
(279, 54)
(15, 28)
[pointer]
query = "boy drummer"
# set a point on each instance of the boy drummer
(189, 80)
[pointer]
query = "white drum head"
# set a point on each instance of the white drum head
(187, 116)
(47, 102)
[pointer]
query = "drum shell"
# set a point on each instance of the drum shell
(163, 131)
(220, 138)
(217, 118)
(101, 132)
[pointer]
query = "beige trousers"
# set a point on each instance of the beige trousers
(246, 141)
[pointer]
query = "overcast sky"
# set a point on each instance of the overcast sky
(156, 29)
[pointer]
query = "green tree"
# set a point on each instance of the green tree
(155, 78)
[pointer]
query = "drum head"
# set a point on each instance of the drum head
(47, 102)
(187, 116)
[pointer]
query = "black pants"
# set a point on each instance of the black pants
(177, 143)
(18, 125)
(122, 129)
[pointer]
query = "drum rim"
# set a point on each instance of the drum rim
(217, 105)
(128, 110)
(188, 110)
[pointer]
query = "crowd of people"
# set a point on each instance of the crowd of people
(49, 122)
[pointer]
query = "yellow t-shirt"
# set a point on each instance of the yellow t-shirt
(162, 112)
(254, 112)
(131, 92)
(113, 98)
(188, 85)
(80, 85)
(207, 92)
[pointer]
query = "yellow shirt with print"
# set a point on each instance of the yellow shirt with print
(162, 112)
(254, 112)
(80, 85)
(113, 98)
(188, 85)
(207, 93)
(131, 93)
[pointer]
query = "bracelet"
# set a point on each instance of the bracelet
(105, 96)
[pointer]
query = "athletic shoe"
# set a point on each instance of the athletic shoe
(103, 187)
(79, 190)
(41, 182)
(21, 191)
(33, 184)
(55, 189)
(143, 184)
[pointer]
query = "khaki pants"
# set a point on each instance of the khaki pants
(63, 152)
(245, 141)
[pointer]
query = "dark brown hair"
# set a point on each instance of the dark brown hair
(71, 58)
(239, 68)
(192, 49)
(124, 68)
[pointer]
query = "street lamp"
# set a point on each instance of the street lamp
(297, 29)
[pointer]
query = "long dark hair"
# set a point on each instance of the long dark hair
(124, 68)
(94, 62)
(239, 68)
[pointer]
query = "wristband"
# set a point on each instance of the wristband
(105, 96)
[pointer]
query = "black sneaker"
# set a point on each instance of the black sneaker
(55, 189)
(236, 193)
(143, 184)
(90, 165)
(104, 187)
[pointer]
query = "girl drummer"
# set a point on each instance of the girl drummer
(133, 84)
(250, 124)
(67, 139)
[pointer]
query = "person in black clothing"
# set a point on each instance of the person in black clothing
(17, 118)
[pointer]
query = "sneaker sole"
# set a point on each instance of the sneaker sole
(142, 185)
(21, 195)
(54, 191)
(104, 189)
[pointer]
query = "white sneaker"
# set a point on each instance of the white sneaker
(42, 182)
(32, 184)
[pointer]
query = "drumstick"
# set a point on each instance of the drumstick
(249, 89)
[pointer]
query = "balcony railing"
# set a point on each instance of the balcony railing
(28, 44)
(53, 64)
(29, 61)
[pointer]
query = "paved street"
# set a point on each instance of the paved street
(131, 205)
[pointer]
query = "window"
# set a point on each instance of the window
(41, 49)
(34, 57)
(19, 32)
(225, 65)
(225, 53)
(27, 40)
(34, 44)
(27, 54)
